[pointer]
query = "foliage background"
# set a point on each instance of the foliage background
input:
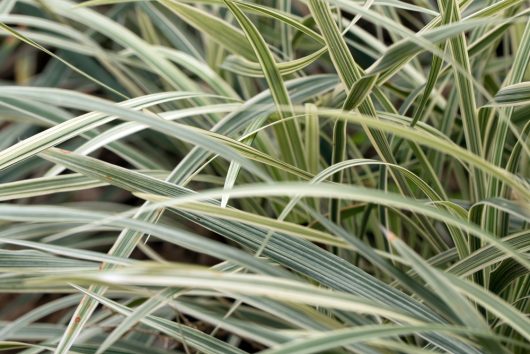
(290, 176)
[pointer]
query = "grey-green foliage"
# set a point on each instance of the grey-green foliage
(291, 176)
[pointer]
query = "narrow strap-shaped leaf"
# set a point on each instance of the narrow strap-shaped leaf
(31, 42)
(461, 308)
(7, 6)
(219, 30)
(466, 96)
(488, 255)
(56, 184)
(333, 339)
(289, 132)
(512, 95)
(241, 66)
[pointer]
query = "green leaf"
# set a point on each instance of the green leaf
(512, 95)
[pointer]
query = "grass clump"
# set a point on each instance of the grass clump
(272, 176)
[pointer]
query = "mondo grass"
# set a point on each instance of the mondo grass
(290, 176)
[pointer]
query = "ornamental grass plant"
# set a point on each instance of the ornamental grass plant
(275, 177)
